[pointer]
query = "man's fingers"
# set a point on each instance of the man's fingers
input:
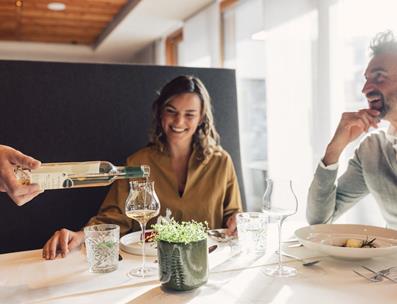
(373, 112)
(372, 119)
(357, 122)
(365, 121)
(25, 194)
(18, 158)
(9, 182)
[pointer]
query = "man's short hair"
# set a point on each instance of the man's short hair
(383, 42)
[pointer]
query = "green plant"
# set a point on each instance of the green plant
(184, 232)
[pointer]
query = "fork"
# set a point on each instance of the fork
(384, 273)
(216, 233)
(371, 278)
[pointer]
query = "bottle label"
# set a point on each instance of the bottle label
(48, 181)
(69, 168)
(60, 175)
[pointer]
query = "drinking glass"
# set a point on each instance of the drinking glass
(102, 244)
(279, 202)
(252, 232)
(142, 204)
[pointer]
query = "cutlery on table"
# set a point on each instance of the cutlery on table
(371, 279)
(293, 240)
(305, 262)
(212, 248)
(216, 233)
(383, 272)
(378, 274)
(295, 245)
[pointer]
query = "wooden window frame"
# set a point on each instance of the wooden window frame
(171, 47)
(224, 5)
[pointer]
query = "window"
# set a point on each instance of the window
(299, 65)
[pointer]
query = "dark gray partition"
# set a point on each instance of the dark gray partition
(76, 112)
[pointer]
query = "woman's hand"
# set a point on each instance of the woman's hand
(62, 242)
(231, 225)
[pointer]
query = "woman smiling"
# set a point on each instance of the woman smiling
(193, 176)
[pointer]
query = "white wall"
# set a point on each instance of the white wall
(200, 46)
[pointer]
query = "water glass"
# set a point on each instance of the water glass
(102, 245)
(252, 232)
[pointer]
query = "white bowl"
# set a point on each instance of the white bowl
(328, 238)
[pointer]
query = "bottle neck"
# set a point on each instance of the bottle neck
(135, 172)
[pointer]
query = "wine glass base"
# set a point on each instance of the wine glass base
(281, 272)
(143, 272)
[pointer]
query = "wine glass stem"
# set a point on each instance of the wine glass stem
(280, 223)
(143, 228)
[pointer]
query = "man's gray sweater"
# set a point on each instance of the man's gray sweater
(373, 169)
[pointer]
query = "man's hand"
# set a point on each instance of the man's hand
(9, 158)
(351, 126)
(62, 242)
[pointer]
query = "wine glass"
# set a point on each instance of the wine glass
(279, 202)
(142, 204)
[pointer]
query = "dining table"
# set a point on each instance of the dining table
(234, 277)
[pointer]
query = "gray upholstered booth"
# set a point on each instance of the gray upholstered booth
(76, 112)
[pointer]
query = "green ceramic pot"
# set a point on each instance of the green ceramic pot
(183, 266)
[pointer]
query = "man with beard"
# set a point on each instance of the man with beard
(373, 168)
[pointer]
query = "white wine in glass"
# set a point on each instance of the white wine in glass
(142, 204)
(279, 202)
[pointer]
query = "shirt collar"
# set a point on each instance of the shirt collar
(391, 136)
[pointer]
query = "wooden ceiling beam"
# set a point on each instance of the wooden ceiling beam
(79, 2)
(99, 25)
(54, 39)
(58, 31)
(104, 10)
(68, 16)
(83, 22)
(127, 8)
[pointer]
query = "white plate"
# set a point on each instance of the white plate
(131, 243)
(326, 238)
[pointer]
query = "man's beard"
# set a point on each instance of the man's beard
(385, 109)
(382, 106)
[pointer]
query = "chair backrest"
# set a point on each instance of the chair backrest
(77, 112)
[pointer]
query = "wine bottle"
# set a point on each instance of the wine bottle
(78, 174)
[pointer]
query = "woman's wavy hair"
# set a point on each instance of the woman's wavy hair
(206, 138)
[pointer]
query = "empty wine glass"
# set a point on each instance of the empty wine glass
(142, 204)
(279, 202)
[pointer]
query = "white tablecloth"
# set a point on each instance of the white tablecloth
(234, 278)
